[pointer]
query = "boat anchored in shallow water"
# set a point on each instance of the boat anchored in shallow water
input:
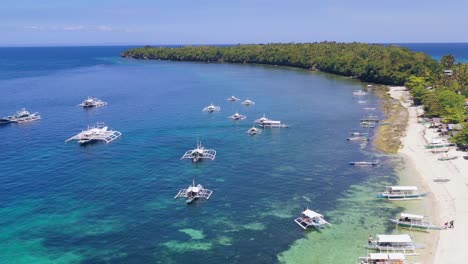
(266, 122)
(358, 138)
(212, 108)
(402, 193)
(233, 98)
(194, 192)
(364, 163)
(413, 221)
(92, 102)
(310, 218)
(237, 117)
(248, 102)
(395, 244)
(199, 153)
(254, 131)
(383, 258)
(99, 132)
(21, 116)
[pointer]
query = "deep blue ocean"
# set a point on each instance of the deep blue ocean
(113, 203)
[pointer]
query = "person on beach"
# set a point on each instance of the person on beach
(369, 240)
(446, 225)
(451, 224)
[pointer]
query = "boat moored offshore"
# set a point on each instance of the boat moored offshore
(365, 163)
(402, 193)
(199, 153)
(232, 98)
(92, 102)
(99, 132)
(212, 108)
(413, 221)
(310, 218)
(254, 131)
(22, 116)
(194, 192)
(237, 117)
(248, 102)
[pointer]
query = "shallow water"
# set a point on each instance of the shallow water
(62, 203)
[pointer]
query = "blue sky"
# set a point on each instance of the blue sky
(101, 22)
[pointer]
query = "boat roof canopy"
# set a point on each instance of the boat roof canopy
(412, 216)
(403, 188)
(405, 238)
(311, 214)
(391, 256)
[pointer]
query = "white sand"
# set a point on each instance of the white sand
(451, 197)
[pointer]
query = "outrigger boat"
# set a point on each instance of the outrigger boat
(369, 108)
(199, 153)
(310, 218)
(266, 122)
(439, 143)
(359, 93)
(447, 157)
(364, 163)
(212, 108)
(248, 102)
(368, 124)
(358, 134)
(92, 102)
(394, 244)
(21, 116)
(383, 258)
(233, 98)
(370, 118)
(413, 221)
(254, 131)
(194, 192)
(440, 150)
(237, 116)
(402, 193)
(99, 132)
(358, 138)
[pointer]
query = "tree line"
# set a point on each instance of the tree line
(367, 62)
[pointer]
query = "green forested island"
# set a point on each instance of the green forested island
(366, 62)
(440, 86)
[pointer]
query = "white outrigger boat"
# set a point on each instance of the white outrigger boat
(359, 93)
(21, 116)
(370, 118)
(233, 98)
(446, 157)
(237, 117)
(364, 163)
(99, 132)
(266, 122)
(413, 221)
(439, 143)
(310, 218)
(368, 124)
(194, 192)
(358, 138)
(383, 258)
(254, 131)
(395, 244)
(402, 193)
(199, 153)
(212, 108)
(358, 134)
(248, 102)
(92, 102)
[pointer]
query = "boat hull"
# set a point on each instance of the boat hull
(416, 226)
(402, 197)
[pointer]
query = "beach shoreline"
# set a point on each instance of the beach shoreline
(450, 197)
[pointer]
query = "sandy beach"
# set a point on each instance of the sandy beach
(451, 197)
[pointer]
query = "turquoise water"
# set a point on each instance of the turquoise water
(113, 203)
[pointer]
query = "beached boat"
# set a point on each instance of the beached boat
(447, 158)
(99, 132)
(383, 258)
(364, 163)
(212, 108)
(394, 244)
(248, 102)
(21, 116)
(310, 218)
(254, 131)
(370, 118)
(199, 153)
(368, 124)
(358, 138)
(402, 193)
(233, 98)
(92, 102)
(440, 150)
(413, 221)
(237, 116)
(194, 192)
(441, 180)
(439, 143)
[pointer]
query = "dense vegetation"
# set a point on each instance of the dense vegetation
(443, 95)
(366, 62)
